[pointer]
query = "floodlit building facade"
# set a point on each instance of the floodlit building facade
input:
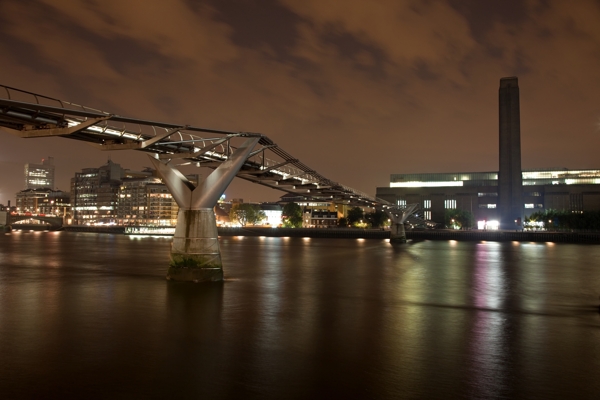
(272, 214)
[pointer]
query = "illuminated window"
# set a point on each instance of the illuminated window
(426, 184)
(450, 204)
(427, 215)
(529, 205)
(401, 202)
(427, 204)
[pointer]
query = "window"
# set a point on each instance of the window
(576, 202)
(451, 204)
(401, 202)
(427, 204)
(489, 194)
(529, 205)
(427, 215)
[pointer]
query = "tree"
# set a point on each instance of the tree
(554, 219)
(343, 222)
(292, 215)
(460, 219)
(355, 214)
(246, 214)
(376, 218)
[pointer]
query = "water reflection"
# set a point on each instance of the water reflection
(489, 273)
(85, 315)
(489, 332)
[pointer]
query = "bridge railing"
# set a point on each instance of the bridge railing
(29, 114)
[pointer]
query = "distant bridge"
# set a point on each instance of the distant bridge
(54, 222)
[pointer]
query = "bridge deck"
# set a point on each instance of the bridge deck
(27, 114)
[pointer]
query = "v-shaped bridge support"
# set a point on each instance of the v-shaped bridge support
(195, 252)
(398, 217)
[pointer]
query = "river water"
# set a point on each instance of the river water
(91, 316)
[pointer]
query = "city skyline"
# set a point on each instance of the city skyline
(357, 93)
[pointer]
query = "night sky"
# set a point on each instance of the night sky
(355, 89)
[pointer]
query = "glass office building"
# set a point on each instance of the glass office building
(40, 176)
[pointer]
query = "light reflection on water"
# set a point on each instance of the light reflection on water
(86, 315)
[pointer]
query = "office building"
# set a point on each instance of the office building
(43, 202)
(111, 195)
(146, 202)
(95, 193)
(40, 176)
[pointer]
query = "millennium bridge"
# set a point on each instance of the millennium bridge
(195, 252)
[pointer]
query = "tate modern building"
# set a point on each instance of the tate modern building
(500, 198)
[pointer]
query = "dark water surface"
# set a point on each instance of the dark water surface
(91, 316)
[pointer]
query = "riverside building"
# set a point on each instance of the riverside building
(146, 202)
(111, 195)
(498, 198)
(478, 192)
(43, 202)
(95, 193)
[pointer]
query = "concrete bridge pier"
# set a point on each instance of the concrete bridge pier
(398, 217)
(195, 252)
(397, 232)
(4, 221)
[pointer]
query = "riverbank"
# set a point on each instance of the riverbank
(29, 227)
(345, 233)
(506, 236)
(437, 234)
(350, 233)
(95, 229)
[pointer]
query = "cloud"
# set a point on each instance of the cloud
(356, 90)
